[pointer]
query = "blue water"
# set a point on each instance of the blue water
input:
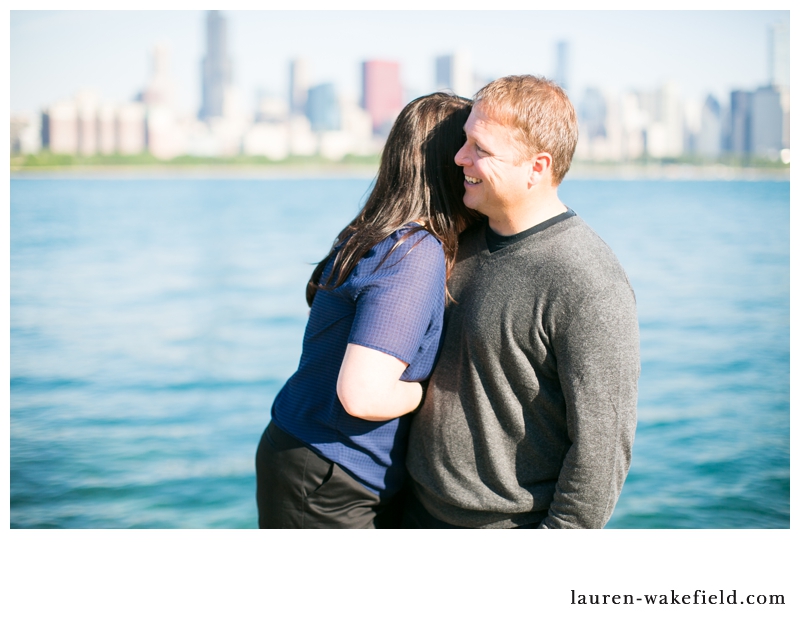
(153, 322)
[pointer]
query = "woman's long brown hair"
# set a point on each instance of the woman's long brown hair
(417, 181)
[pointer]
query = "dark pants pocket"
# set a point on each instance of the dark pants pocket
(296, 488)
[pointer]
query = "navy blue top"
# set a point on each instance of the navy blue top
(397, 309)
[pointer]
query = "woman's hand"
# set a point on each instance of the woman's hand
(369, 385)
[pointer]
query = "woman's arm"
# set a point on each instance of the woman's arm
(369, 385)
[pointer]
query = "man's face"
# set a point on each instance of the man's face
(495, 182)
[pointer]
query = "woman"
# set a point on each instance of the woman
(333, 454)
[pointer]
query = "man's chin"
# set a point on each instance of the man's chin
(472, 207)
(469, 204)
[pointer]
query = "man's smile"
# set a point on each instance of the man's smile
(472, 180)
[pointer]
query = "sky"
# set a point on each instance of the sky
(55, 54)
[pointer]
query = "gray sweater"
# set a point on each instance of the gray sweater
(531, 410)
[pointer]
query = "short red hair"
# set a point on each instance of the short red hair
(540, 113)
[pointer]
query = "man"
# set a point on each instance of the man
(530, 413)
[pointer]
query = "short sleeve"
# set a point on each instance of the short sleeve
(396, 304)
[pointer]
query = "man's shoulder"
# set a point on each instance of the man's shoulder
(575, 245)
(569, 254)
(578, 262)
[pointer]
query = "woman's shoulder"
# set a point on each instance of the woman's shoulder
(421, 235)
(409, 248)
(413, 240)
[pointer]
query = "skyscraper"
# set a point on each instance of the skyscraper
(593, 113)
(709, 140)
(298, 85)
(779, 72)
(453, 72)
(779, 55)
(766, 124)
(160, 90)
(322, 108)
(382, 93)
(216, 66)
(563, 65)
(741, 110)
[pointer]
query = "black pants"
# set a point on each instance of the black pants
(416, 516)
(296, 488)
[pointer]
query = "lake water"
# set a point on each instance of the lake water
(153, 321)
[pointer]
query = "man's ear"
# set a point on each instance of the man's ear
(541, 167)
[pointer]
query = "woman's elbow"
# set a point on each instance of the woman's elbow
(356, 402)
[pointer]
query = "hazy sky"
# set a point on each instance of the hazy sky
(56, 53)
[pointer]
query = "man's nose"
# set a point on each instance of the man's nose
(461, 158)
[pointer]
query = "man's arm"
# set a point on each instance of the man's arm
(598, 367)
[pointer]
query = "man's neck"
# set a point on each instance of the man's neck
(514, 221)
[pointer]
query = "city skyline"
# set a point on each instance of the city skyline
(718, 51)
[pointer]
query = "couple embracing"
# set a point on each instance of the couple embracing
(472, 352)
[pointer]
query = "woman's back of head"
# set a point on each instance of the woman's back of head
(418, 177)
(418, 181)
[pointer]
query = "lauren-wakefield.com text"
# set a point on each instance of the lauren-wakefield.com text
(699, 597)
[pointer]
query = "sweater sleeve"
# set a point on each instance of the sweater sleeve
(597, 355)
